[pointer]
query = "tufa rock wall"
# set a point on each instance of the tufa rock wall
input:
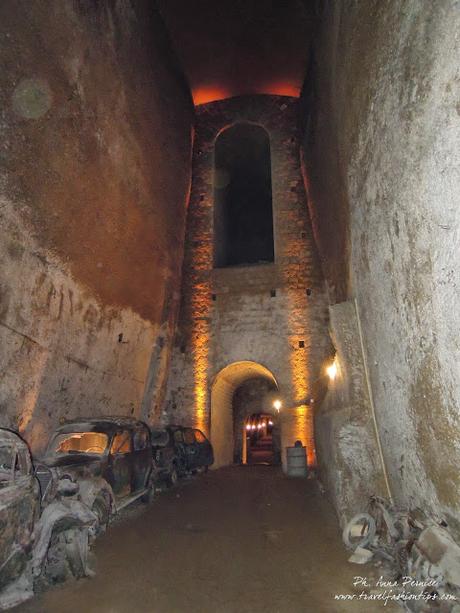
(94, 178)
(381, 156)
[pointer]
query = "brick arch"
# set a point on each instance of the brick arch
(221, 416)
(239, 121)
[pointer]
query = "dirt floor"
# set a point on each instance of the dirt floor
(235, 540)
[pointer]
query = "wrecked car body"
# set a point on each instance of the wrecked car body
(109, 457)
(40, 542)
(179, 450)
(169, 463)
(192, 448)
(19, 506)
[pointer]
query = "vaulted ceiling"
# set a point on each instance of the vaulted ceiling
(234, 47)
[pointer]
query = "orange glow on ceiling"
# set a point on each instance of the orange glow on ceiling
(205, 94)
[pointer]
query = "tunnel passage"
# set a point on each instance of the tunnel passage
(226, 424)
(256, 424)
(101, 207)
(243, 215)
(261, 440)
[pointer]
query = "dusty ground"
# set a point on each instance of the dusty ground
(236, 540)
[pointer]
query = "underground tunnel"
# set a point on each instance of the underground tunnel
(230, 224)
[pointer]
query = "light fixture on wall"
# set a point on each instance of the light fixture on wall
(331, 371)
(277, 404)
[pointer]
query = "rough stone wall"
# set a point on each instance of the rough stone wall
(229, 314)
(348, 453)
(384, 128)
(94, 176)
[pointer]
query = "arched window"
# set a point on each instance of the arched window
(243, 216)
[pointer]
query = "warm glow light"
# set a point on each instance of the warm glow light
(332, 371)
(203, 95)
(253, 427)
(248, 426)
(201, 258)
(302, 424)
(29, 401)
(270, 423)
(200, 351)
(211, 93)
(282, 89)
(277, 405)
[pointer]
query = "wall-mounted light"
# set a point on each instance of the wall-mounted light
(331, 371)
(277, 405)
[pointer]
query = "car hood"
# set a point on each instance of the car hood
(71, 460)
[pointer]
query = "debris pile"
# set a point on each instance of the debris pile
(417, 556)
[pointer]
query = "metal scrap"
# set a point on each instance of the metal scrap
(413, 549)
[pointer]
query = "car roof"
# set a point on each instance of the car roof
(100, 424)
(8, 436)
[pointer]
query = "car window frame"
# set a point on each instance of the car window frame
(186, 431)
(144, 430)
(181, 434)
(120, 432)
(205, 440)
(52, 451)
(11, 471)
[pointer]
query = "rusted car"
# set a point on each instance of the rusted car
(192, 447)
(109, 457)
(39, 543)
(169, 462)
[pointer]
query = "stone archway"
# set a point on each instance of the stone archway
(223, 387)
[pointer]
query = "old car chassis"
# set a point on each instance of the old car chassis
(41, 541)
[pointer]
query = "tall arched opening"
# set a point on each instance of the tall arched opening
(225, 384)
(243, 215)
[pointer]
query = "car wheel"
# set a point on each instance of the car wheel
(67, 556)
(101, 508)
(77, 552)
(54, 567)
(173, 477)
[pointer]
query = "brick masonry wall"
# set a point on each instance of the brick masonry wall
(229, 315)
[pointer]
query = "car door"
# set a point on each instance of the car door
(120, 463)
(142, 460)
(203, 449)
(18, 508)
(191, 449)
(179, 450)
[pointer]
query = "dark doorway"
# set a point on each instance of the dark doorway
(243, 216)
